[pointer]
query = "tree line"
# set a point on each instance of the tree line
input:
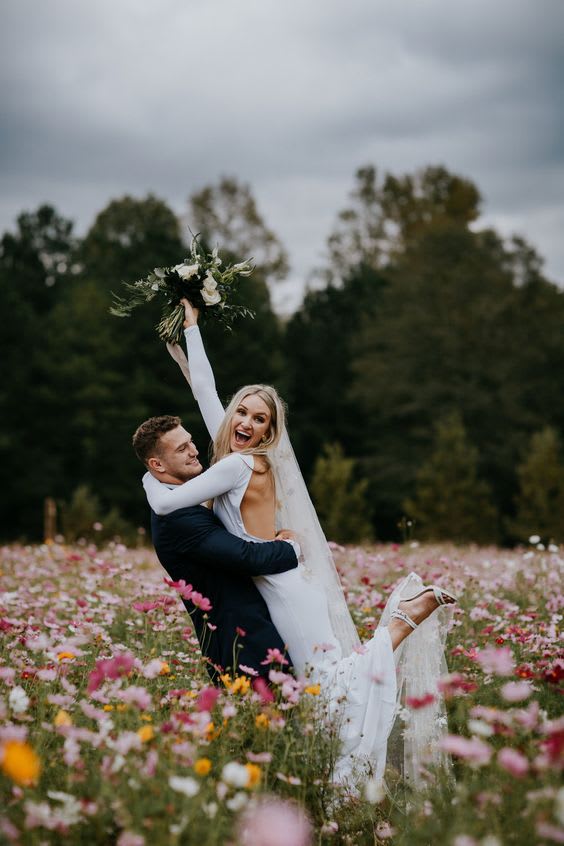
(424, 370)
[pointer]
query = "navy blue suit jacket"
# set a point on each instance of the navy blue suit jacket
(192, 544)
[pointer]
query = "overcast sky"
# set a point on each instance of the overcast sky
(106, 97)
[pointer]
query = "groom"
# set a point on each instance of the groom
(192, 544)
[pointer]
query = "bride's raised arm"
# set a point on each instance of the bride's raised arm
(200, 374)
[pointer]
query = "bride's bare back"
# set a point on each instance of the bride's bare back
(258, 506)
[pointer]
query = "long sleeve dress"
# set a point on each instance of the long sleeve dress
(360, 689)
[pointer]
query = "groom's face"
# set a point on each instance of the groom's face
(177, 457)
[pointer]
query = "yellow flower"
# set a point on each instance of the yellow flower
(202, 766)
(62, 655)
(145, 733)
(147, 718)
(313, 689)
(20, 762)
(261, 721)
(121, 707)
(107, 707)
(62, 719)
(226, 679)
(165, 668)
(212, 732)
(240, 685)
(254, 774)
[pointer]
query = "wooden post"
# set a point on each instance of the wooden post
(49, 519)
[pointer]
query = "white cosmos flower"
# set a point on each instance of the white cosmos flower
(235, 774)
(237, 802)
(186, 271)
(534, 539)
(373, 790)
(186, 785)
(19, 700)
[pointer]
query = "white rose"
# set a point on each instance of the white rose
(211, 299)
(210, 283)
(186, 271)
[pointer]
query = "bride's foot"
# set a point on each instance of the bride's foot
(411, 612)
(423, 604)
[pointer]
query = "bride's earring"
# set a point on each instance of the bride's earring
(264, 439)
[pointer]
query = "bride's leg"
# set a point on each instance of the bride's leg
(418, 609)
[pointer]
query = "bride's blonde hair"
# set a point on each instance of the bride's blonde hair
(269, 395)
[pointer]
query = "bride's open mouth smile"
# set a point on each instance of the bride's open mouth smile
(241, 438)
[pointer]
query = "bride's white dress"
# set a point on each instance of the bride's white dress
(359, 689)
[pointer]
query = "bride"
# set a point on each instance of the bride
(255, 484)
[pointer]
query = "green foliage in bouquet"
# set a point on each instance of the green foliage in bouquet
(200, 278)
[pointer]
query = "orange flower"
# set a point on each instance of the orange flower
(240, 685)
(165, 668)
(254, 772)
(62, 719)
(313, 689)
(146, 733)
(261, 721)
(68, 655)
(20, 762)
(202, 766)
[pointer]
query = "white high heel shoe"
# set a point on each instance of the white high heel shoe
(438, 591)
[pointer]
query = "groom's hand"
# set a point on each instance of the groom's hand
(285, 534)
(190, 313)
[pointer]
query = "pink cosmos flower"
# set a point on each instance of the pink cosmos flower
(249, 671)
(416, 702)
(184, 590)
(455, 684)
(497, 661)
(110, 668)
(145, 606)
(200, 601)
(272, 822)
(513, 762)
(129, 838)
(207, 699)
(263, 690)
(274, 656)
(516, 691)
(475, 751)
(546, 831)
(136, 695)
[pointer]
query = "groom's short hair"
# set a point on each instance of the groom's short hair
(147, 435)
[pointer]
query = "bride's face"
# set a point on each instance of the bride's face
(250, 422)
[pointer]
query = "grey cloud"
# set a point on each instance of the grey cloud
(99, 99)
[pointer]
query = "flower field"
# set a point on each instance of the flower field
(110, 732)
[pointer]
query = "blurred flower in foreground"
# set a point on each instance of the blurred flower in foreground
(20, 762)
(497, 661)
(271, 822)
(475, 751)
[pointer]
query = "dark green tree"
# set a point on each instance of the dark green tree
(36, 265)
(318, 345)
(540, 502)
(464, 323)
(340, 497)
(387, 216)
(451, 502)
